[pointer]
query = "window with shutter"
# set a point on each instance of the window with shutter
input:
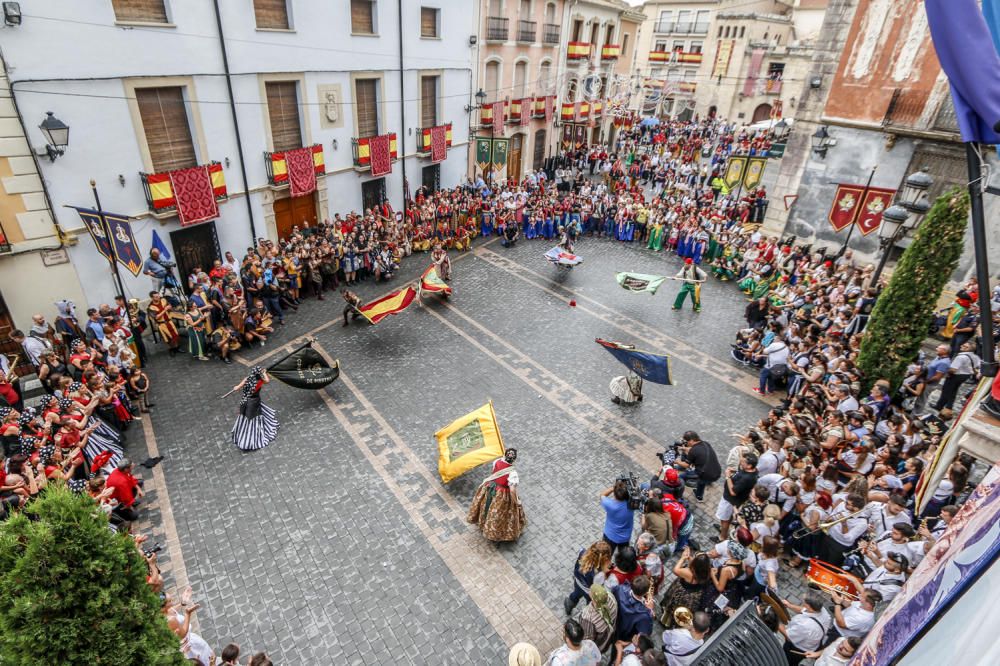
(283, 111)
(366, 103)
(165, 123)
(363, 17)
(271, 14)
(492, 81)
(428, 22)
(428, 101)
(144, 11)
(521, 79)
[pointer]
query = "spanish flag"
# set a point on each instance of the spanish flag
(468, 442)
(431, 282)
(392, 304)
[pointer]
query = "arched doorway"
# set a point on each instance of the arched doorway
(514, 158)
(538, 157)
(761, 113)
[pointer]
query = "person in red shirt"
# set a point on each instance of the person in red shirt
(127, 489)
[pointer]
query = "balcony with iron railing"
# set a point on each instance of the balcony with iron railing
(276, 167)
(680, 28)
(497, 29)
(526, 31)
(361, 151)
(550, 34)
(424, 138)
(160, 197)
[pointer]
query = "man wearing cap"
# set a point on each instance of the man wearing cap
(692, 276)
(669, 482)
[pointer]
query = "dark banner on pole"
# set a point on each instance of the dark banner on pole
(305, 368)
(92, 219)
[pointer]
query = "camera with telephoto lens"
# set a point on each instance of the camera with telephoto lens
(671, 454)
(152, 550)
(636, 498)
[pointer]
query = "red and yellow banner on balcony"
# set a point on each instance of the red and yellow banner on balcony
(597, 109)
(583, 110)
(577, 50)
(538, 107)
(514, 118)
(568, 112)
(426, 136)
(161, 192)
(686, 87)
(675, 56)
(611, 52)
(378, 153)
(279, 166)
(486, 115)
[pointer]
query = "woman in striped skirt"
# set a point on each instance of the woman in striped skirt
(257, 424)
(97, 436)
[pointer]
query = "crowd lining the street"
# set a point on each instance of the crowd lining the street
(827, 451)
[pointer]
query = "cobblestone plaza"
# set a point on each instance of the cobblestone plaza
(340, 544)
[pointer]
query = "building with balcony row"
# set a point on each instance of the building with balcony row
(285, 109)
(550, 73)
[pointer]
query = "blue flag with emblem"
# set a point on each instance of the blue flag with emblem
(120, 245)
(651, 367)
(92, 219)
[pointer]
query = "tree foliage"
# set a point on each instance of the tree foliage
(74, 592)
(905, 309)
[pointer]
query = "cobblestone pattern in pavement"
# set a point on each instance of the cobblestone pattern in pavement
(338, 540)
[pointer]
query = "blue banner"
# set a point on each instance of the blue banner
(120, 244)
(123, 241)
(651, 367)
(92, 219)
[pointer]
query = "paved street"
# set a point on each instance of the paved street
(339, 543)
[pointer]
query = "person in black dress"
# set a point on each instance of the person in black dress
(257, 424)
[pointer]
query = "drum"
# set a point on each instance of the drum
(831, 578)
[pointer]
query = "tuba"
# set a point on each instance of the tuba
(683, 617)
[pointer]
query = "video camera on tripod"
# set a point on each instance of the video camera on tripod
(636, 498)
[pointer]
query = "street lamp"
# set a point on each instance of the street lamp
(821, 141)
(56, 134)
(903, 216)
(780, 128)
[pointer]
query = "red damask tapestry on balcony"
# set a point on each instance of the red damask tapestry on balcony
(194, 194)
(439, 143)
(498, 118)
(301, 171)
(381, 155)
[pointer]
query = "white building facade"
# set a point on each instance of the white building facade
(143, 86)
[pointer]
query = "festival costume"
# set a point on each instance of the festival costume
(690, 272)
(655, 238)
(161, 315)
(494, 510)
(257, 424)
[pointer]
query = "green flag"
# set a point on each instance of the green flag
(484, 153)
(500, 153)
(640, 281)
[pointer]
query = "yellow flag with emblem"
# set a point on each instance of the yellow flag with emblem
(468, 442)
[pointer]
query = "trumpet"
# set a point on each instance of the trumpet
(683, 617)
(823, 526)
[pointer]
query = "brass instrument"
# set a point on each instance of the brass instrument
(11, 375)
(822, 527)
(683, 617)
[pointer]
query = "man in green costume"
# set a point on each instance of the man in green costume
(692, 277)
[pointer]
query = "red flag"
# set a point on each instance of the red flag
(550, 105)
(845, 204)
(381, 155)
(876, 201)
(439, 143)
(526, 110)
(498, 118)
(301, 171)
(194, 195)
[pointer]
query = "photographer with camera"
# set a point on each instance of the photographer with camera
(620, 514)
(698, 462)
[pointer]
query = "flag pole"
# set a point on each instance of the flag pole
(857, 212)
(976, 186)
(113, 259)
(307, 343)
